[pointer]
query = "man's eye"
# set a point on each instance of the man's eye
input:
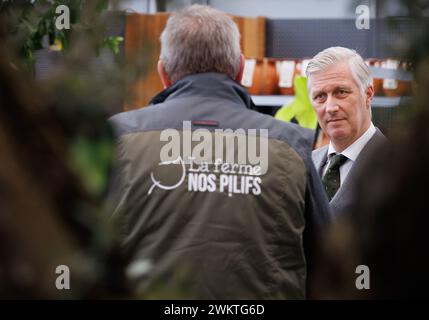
(342, 92)
(319, 97)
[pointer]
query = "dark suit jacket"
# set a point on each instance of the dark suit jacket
(344, 200)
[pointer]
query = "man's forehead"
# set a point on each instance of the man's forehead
(334, 76)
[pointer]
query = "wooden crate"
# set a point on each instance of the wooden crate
(142, 47)
(252, 32)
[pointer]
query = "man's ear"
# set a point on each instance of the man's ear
(369, 94)
(165, 79)
(240, 71)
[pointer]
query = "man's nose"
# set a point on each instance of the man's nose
(331, 104)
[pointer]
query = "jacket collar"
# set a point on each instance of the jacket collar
(207, 85)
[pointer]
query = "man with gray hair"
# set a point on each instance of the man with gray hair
(341, 92)
(234, 228)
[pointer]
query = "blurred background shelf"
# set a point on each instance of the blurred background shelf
(272, 101)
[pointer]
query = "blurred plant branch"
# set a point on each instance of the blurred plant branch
(32, 24)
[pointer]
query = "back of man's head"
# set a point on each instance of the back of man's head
(200, 39)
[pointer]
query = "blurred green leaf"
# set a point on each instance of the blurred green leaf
(113, 43)
(91, 159)
(102, 5)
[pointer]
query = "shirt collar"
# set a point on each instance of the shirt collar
(353, 150)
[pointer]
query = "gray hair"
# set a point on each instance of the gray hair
(330, 56)
(200, 39)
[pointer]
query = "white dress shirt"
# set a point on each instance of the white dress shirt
(351, 152)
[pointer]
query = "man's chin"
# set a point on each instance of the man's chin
(337, 135)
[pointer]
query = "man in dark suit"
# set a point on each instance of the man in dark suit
(341, 92)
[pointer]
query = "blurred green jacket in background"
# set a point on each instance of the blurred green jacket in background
(300, 109)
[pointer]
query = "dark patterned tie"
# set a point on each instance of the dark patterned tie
(331, 178)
